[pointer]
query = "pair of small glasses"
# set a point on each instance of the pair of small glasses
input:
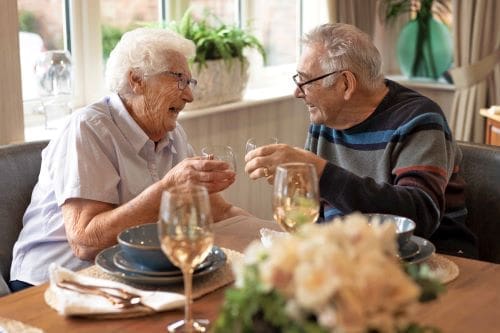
(301, 84)
(182, 81)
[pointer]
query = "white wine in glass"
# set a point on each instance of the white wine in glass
(186, 237)
(295, 195)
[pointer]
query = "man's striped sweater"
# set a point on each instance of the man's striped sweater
(401, 160)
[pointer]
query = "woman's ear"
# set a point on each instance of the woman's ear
(136, 81)
(350, 84)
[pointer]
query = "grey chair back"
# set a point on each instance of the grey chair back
(19, 169)
(481, 170)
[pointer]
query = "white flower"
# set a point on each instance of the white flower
(346, 273)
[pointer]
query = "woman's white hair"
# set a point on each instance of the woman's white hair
(144, 49)
(347, 48)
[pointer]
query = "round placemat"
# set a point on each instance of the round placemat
(443, 268)
(202, 286)
(13, 326)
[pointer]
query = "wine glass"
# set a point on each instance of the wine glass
(254, 143)
(186, 237)
(220, 152)
(295, 195)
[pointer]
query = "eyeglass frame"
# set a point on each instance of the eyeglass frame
(301, 84)
(182, 83)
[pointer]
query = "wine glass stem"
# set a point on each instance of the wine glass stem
(187, 274)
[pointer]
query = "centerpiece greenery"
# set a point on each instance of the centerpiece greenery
(337, 277)
(424, 45)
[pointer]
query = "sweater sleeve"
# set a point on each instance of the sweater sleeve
(349, 192)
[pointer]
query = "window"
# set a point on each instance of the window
(117, 18)
(41, 29)
(96, 26)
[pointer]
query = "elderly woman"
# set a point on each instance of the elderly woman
(109, 165)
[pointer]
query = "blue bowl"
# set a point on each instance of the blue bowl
(141, 245)
(404, 226)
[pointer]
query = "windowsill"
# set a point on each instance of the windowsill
(251, 98)
(439, 84)
(284, 90)
(37, 131)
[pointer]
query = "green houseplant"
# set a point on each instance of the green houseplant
(219, 65)
(424, 47)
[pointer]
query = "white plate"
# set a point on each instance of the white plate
(104, 260)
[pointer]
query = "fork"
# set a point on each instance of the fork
(117, 296)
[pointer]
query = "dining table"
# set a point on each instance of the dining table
(471, 302)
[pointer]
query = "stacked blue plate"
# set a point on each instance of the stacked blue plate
(113, 261)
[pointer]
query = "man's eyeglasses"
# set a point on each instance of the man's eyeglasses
(182, 81)
(301, 84)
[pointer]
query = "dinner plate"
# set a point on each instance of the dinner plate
(426, 250)
(410, 249)
(121, 261)
(104, 260)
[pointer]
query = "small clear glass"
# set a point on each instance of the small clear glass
(220, 152)
(254, 143)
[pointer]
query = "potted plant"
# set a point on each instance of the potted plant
(219, 65)
(424, 47)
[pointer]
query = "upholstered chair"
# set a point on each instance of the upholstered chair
(481, 169)
(19, 169)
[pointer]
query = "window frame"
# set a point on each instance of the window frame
(83, 39)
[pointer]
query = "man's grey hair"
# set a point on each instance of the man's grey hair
(347, 48)
(144, 49)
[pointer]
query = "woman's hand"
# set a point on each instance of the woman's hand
(215, 175)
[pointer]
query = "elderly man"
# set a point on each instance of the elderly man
(377, 146)
(108, 167)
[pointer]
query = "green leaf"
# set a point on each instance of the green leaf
(216, 40)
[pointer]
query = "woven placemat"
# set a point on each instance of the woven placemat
(13, 326)
(201, 286)
(443, 268)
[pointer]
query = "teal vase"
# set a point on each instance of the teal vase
(424, 49)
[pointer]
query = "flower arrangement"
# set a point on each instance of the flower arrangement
(337, 277)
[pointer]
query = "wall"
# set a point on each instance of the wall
(285, 118)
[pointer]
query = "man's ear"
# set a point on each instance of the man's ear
(350, 84)
(136, 81)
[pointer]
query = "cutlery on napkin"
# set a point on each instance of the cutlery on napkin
(74, 294)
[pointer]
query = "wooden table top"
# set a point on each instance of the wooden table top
(471, 303)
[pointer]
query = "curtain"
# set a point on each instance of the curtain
(477, 65)
(361, 13)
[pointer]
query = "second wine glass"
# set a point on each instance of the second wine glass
(186, 237)
(295, 195)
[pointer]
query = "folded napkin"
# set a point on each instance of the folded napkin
(268, 235)
(76, 303)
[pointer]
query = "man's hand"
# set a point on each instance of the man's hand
(262, 162)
